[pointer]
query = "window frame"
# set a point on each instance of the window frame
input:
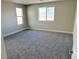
(19, 23)
(39, 14)
(47, 13)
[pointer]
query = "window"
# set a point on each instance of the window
(19, 13)
(42, 14)
(46, 13)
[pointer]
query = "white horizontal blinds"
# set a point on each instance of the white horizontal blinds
(42, 14)
(50, 13)
(19, 13)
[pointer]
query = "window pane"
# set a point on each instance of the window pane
(19, 12)
(42, 14)
(19, 20)
(50, 13)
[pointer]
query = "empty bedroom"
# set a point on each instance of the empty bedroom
(38, 29)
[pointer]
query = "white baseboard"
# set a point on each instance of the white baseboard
(14, 32)
(37, 29)
(52, 30)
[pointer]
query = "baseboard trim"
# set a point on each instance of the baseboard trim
(14, 32)
(37, 29)
(53, 30)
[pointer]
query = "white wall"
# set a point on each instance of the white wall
(74, 48)
(64, 16)
(9, 20)
(3, 50)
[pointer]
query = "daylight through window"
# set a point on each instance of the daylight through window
(46, 13)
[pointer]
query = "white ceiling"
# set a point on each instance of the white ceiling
(31, 1)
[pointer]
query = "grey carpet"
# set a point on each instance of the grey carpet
(32, 44)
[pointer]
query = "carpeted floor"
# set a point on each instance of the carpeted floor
(32, 44)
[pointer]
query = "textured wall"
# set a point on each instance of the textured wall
(64, 16)
(9, 20)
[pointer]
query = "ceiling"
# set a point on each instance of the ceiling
(31, 1)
